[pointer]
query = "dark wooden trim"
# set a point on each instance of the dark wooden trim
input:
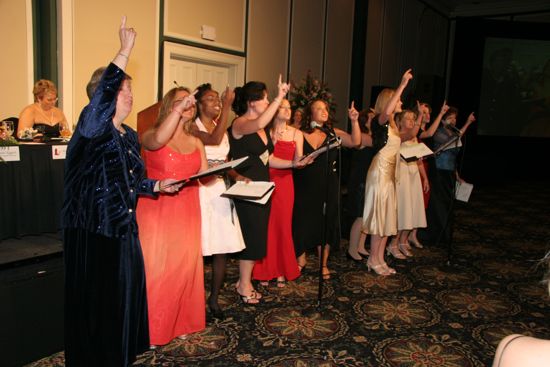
(289, 49)
(358, 50)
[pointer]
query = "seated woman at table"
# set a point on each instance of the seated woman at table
(43, 115)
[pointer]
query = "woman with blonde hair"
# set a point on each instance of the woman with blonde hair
(413, 181)
(43, 115)
(380, 211)
(170, 226)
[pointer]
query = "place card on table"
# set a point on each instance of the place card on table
(59, 151)
(10, 154)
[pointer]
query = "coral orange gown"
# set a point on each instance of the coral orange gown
(170, 233)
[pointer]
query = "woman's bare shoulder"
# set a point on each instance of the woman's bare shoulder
(521, 350)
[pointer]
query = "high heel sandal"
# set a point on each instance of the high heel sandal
(405, 249)
(394, 251)
(249, 300)
(390, 271)
(415, 242)
(216, 311)
(378, 269)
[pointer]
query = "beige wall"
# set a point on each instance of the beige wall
(15, 72)
(96, 43)
(400, 34)
(338, 55)
(307, 38)
(183, 19)
(267, 55)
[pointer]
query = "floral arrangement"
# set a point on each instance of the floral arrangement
(28, 133)
(5, 137)
(308, 90)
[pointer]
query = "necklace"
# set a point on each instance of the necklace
(280, 132)
(50, 120)
(209, 125)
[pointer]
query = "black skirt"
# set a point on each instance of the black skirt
(105, 299)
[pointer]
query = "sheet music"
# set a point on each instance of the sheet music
(317, 152)
(463, 191)
(414, 151)
(252, 190)
(264, 199)
(212, 170)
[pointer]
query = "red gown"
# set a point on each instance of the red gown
(170, 232)
(280, 259)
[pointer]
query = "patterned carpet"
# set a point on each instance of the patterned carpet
(429, 314)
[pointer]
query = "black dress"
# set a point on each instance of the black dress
(310, 193)
(51, 131)
(253, 217)
(360, 163)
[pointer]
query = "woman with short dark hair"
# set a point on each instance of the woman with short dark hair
(105, 300)
(248, 136)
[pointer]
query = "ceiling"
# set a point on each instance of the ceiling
(461, 8)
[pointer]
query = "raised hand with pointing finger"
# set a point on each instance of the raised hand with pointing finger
(283, 89)
(353, 114)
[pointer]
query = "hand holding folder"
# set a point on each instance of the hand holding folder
(255, 191)
(211, 171)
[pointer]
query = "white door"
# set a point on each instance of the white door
(191, 74)
(218, 76)
(190, 66)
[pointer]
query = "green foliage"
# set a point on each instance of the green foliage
(310, 89)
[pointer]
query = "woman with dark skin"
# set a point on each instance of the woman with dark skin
(221, 231)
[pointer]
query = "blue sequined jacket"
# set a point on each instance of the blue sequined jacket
(104, 173)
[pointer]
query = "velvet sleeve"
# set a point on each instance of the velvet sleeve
(146, 187)
(96, 118)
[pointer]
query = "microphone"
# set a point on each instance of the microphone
(323, 128)
(452, 128)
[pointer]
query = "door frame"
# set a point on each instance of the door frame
(174, 51)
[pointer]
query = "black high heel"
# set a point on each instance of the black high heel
(353, 259)
(215, 310)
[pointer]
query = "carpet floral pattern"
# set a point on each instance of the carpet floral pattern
(429, 314)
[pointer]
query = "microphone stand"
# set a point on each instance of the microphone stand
(454, 140)
(318, 305)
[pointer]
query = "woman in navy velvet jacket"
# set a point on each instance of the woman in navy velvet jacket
(105, 300)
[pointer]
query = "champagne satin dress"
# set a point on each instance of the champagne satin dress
(380, 212)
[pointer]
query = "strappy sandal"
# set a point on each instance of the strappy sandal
(253, 299)
(281, 283)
